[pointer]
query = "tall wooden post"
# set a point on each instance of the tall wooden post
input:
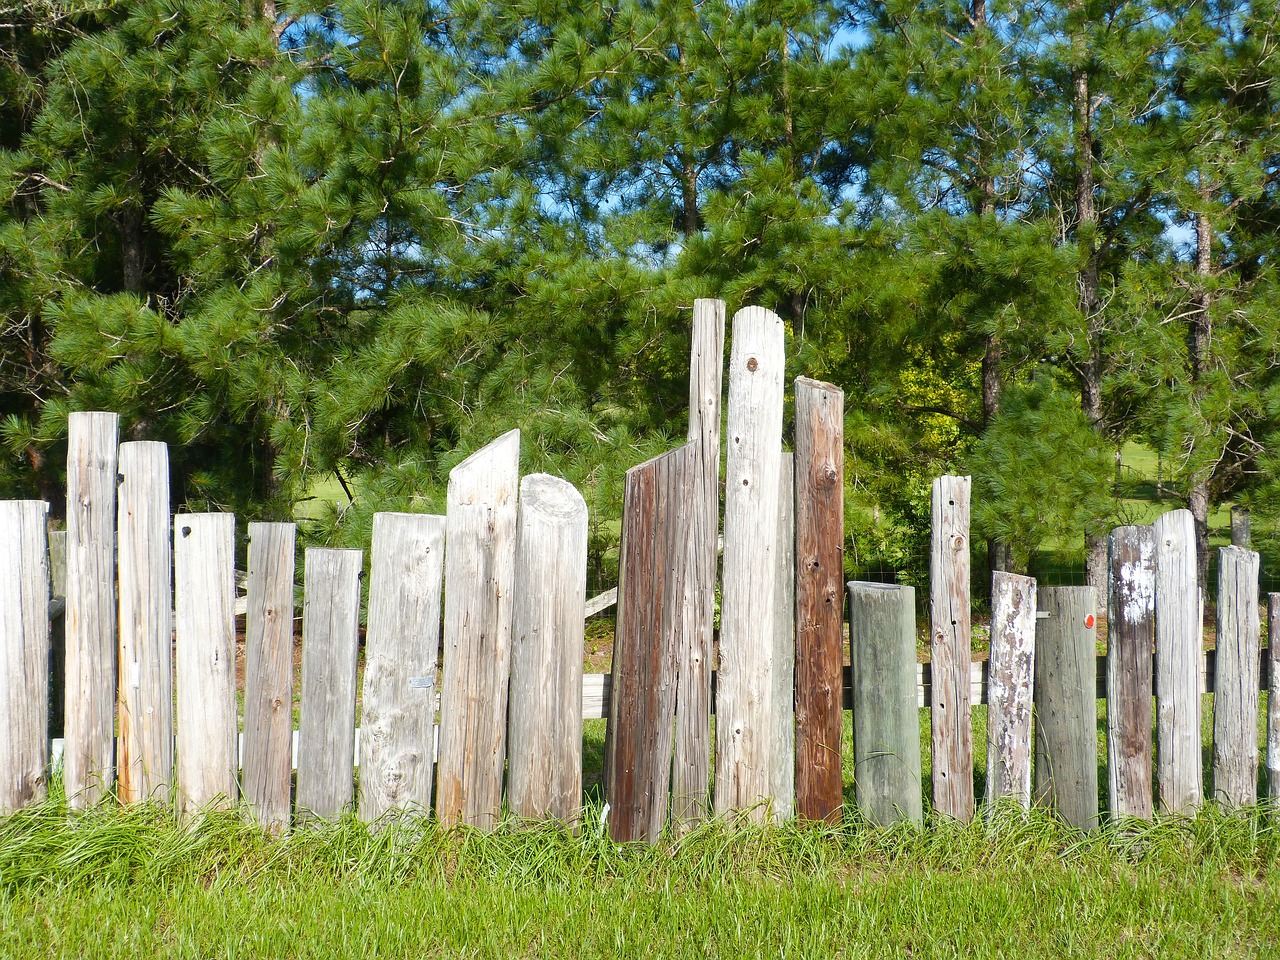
(950, 640)
(1178, 661)
(1010, 687)
(1131, 636)
(1236, 681)
(782, 750)
(1273, 697)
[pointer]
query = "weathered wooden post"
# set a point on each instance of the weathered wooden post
(651, 575)
(1240, 534)
(819, 610)
(691, 769)
(886, 721)
(950, 639)
(402, 641)
(1273, 697)
(268, 674)
(1131, 635)
(1066, 766)
(1178, 661)
(544, 769)
(782, 749)
(89, 753)
(479, 582)
(744, 695)
(145, 766)
(1236, 680)
(24, 654)
(1010, 687)
(330, 643)
(204, 556)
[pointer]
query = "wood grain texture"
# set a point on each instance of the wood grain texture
(89, 756)
(1178, 663)
(1066, 675)
(949, 644)
(330, 642)
(1273, 696)
(402, 643)
(782, 751)
(24, 654)
(1235, 698)
(1010, 688)
(744, 694)
(691, 769)
(544, 769)
(145, 764)
(653, 559)
(268, 674)
(204, 581)
(1131, 638)
(886, 721)
(819, 606)
(479, 575)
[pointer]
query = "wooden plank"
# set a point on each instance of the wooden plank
(1273, 697)
(544, 772)
(330, 640)
(1066, 672)
(782, 751)
(1131, 637)
(744, 694)
(24, 654)
(952, 725)
(268, 674)
(653, 561)
(691, 770)
(1177, 666)
(402, 643)
(1010, 688)
(88, 765)
(1235, 699)
(886, 723)
(145, 765)
(819, 608)
(204, 557)
(479, 574)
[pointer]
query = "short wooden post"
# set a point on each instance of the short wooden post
(819, 609)
(1273, 697)
(89, 752)
(1236, 680)
(204, 557)
(24, 654)
(1066, 766)
(1131, 636)
(886, 719)
(691, 769)
(1179, 657)
(544, 771)
(330, 639)
(146, 624)
(949, 649)
(268, 674)
(782, 751)
(1240, 535)
(744, 693)
(402, 642)
(1010, 687)
(652, 570)
(479, 581)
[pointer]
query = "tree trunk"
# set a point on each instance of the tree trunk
(1198, 335)
(132, 252)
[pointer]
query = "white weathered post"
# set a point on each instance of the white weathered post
(782, 751)
(1178, 661)
(1010, 687)
(1236, 680)
(1130, 638)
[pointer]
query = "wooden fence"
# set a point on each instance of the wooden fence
(474, 696)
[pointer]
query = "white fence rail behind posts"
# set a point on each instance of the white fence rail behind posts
(479, 582)
(89, 726)
(268, 674)
(1010, 687)
(1130, 639)
(544, 733)
(24, 654)
(397, 728)
(744, 694)
(204, 555)
(1235, 698)
(1179, 657)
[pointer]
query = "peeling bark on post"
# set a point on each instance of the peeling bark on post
(1010, 687)
(1131, 636)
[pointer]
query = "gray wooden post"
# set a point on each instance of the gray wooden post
(950, 637)
(88, 764)
(1236, 681)
(1273, 697)
(782, 751)
(1178, 661)
(1240, 535)
(24, 654)
(1131, 626)
(886, 720)
(1066, 768)
(744, 694)
(544, 769)
(1010, 687)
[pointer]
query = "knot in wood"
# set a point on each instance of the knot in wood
(752, 364)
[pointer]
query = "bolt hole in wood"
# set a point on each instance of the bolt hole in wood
(186, 532)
